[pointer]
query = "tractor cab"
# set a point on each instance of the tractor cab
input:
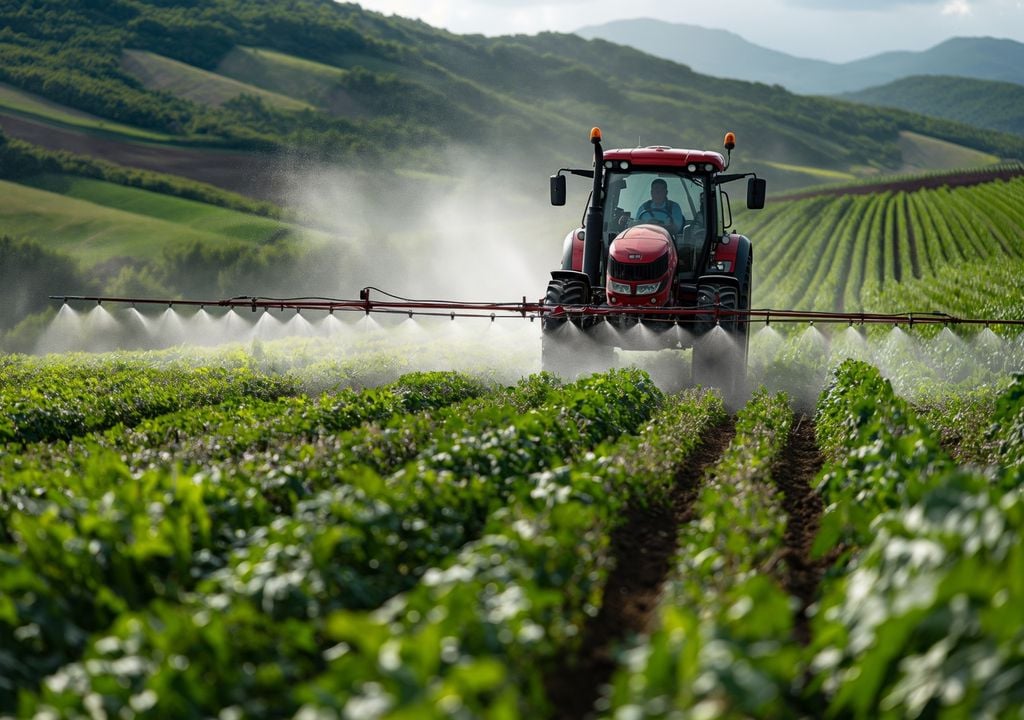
(645, 200)
(655, 245)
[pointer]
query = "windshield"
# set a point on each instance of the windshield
(662, 198)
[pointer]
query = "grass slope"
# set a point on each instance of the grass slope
(160, 73)
(95, 221)
(278, 73)
(923, 153)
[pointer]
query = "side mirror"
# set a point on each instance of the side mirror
(757, 188)
(558, 189)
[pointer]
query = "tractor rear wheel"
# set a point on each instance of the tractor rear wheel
(720, 355)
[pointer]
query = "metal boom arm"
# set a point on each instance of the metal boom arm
(391, 304)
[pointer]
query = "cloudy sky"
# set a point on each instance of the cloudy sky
(836, 30)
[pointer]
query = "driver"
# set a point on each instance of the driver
(660, 210)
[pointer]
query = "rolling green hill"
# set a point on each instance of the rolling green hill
(351, 86)
(983, 103)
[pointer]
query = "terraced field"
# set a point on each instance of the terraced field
(209, 535)
(856, 248)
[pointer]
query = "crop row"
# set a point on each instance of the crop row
(974, 289)
(60, 400)
(920, 615)
(202, 436)
(825, 253)
(917, 615)
(724, 644)
(129, 550)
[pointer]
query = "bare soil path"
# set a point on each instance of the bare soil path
(643, 548)
(800, 463)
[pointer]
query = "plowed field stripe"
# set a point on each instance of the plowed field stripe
(643, 548)
(800, 463)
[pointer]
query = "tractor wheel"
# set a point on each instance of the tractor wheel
(720, 355)
(565, 350)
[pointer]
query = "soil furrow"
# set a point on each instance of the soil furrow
(797, 469)
(643, 548)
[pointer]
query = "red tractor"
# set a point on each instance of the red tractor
(654, 266)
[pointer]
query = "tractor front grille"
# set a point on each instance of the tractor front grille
(638, 271)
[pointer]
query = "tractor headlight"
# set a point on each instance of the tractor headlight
(620, 288)
(648, 288)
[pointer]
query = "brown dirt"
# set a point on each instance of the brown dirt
(798, 468)
(951, 179)
(246, 173)
(643, 548)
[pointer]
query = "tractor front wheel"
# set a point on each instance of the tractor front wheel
(566, 350)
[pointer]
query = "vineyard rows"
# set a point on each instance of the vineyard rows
(841, 253)
(445, 546)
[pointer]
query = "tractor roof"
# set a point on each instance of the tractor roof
(660, 156)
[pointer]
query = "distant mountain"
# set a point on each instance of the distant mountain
(982, 103)
(725, 54)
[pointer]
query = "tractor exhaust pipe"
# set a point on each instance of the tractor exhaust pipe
(594, 227)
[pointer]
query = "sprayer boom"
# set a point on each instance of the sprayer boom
(393, 304)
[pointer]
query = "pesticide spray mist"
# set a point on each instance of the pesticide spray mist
(483, 230)
(476, 230)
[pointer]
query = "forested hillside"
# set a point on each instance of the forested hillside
(350, 85)
(987, 104)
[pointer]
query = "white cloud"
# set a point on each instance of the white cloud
(961, 8)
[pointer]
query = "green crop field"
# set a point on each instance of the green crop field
(372, 513)
(280, 530)
(839, 252)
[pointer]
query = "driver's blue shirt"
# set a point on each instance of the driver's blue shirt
(668, 210)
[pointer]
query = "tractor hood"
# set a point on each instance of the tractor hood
(641, 264)
(640, 244)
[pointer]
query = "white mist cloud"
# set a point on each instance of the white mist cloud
(479, 232)
(957, 7)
